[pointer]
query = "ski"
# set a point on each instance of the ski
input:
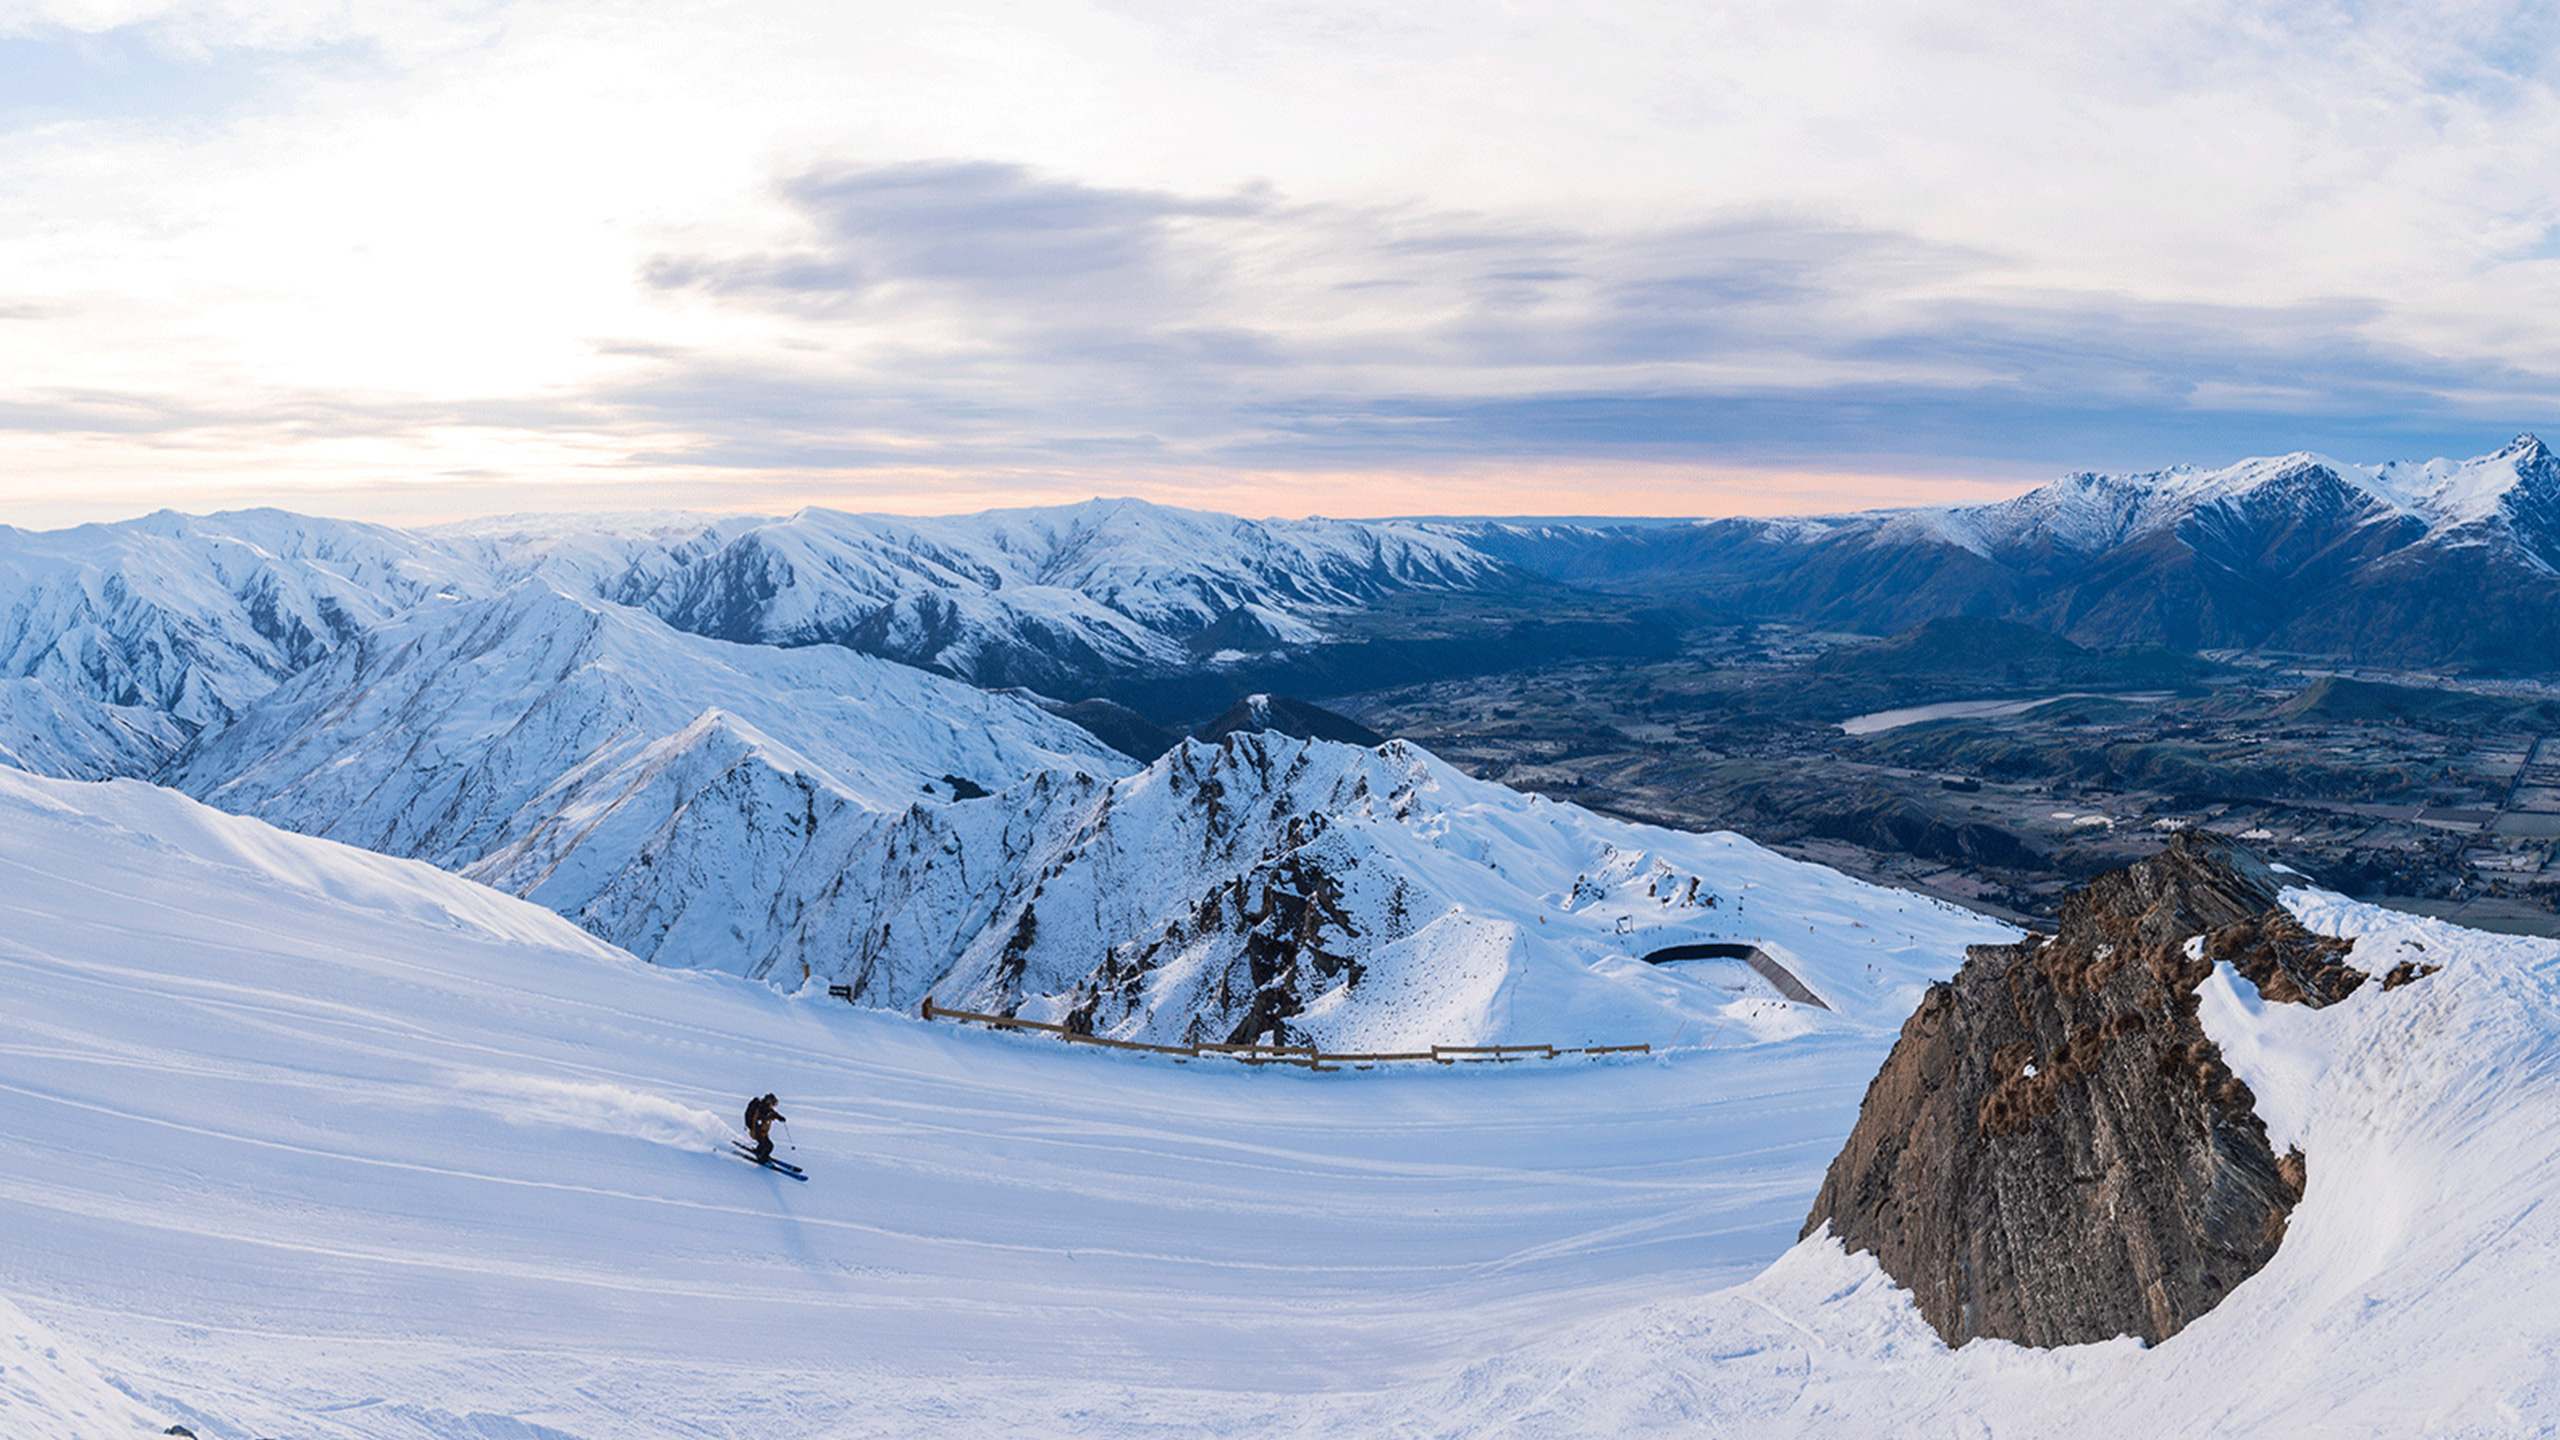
(748, 1154)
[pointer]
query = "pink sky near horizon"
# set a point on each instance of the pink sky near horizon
(1483, 487)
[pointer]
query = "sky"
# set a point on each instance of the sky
(414, 261)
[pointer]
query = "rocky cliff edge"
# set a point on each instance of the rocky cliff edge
(2055, 1152)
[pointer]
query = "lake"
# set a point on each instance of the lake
(1883, 720)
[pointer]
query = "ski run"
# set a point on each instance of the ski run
(305, 1141)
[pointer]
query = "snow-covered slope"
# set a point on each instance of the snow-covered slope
(48, 1388)
(677, 795)
(1270, 888)
(301, 1140)
(55, 729)
(305, 1141)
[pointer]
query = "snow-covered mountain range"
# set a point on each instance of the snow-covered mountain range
(804, 813)
(137, 636)
(2412, 563)
(681, 797)
(748, 745)
(662, 727)
(811, 831)
(197, 617)
(2510, 496)
(124, 640)
(1013, 597)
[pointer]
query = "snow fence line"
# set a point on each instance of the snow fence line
(1306, 1055)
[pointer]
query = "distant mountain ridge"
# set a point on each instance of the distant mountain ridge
(2441, 562)
(1031, 597)
(195, 618)
(138, 635)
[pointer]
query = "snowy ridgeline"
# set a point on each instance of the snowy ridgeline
(2510, 497)
(302, 1140)
(2443, 563)
(1361, 899)
(173, 623)
(2513, 494)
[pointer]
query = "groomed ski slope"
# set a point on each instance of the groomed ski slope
(296, 1140)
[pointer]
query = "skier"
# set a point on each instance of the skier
(760, 1117)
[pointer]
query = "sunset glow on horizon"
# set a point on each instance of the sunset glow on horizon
(1581, 489)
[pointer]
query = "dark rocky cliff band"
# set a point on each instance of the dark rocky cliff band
(2055, 1152)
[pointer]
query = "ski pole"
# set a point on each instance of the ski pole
(786, 1136)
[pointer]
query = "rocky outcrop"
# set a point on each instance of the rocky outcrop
(2055, 1152)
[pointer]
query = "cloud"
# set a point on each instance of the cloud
(1030, 318)
(1160, 284)
(72, 410)
(994, 233)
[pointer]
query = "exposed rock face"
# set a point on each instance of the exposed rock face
(2055, 1152)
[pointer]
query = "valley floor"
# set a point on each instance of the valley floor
(2006, 805)
(302, 1141)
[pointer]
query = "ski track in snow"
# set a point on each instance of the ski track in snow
(301, 1141)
